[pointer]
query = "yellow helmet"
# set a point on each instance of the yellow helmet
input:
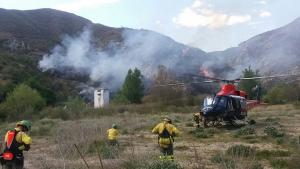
(167, 119)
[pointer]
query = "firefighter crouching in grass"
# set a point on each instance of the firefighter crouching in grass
(16, 141)
(112, 135)
(166, 132)
(198, 118)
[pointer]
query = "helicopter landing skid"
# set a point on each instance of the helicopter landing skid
(212, 123)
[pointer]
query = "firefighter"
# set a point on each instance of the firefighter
(16, 141)
(166, 132)
(198, 118)
(112, 135)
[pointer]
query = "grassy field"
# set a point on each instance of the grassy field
(272, 142)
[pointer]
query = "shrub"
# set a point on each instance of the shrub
(225, 162)
(279, 140)
(218, 158)
(252, 122)
(240, 151)
(203, 133)
(279, 163)
(107, 151)
(163, 165)
(257, 165)
(282, 93)
(246, 131)
(273, 131)
(22, 102)
(55, 113)
(43, 127)
(133, 163)
(74, 108)
(266, 154)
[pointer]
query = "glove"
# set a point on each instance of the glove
(22, 147)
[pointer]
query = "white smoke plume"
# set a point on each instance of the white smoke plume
(143, 49)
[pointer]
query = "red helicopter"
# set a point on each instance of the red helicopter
(229, 105)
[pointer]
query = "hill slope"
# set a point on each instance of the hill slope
(72, 46)
(109, 52)
(275, 51)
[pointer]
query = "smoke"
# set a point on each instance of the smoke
(144, 50)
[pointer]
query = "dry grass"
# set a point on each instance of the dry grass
(139, 147)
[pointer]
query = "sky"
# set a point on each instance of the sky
(211, 25)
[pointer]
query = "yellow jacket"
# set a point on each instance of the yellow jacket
(112, 134)
(21, 138)
(172, 130)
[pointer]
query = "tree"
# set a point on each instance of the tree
(22, 102)
(249, 86)
(132, 89)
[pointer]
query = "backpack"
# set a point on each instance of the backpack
(11, 144)
(165, 134)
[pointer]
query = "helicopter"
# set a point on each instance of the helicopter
(229, 105)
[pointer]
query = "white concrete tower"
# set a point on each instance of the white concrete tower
(101, 97)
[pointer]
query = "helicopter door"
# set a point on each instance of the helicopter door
(230, 107)
(243, 107)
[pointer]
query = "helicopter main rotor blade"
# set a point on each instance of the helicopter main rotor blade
(217, 80)
(170, 84)
(266, 77)
(204, 77)
(182, 84)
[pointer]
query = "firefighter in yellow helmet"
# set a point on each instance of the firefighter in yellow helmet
(16, 141)
(112, 135)
(166, 132)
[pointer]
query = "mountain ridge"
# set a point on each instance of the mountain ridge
(39, 31)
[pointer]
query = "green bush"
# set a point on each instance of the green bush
(22, 102)
(267, 154)
(252, 122)
(218, 158)
(225, 161)
(204, 133)
(280, 140)
(273, 131)
(163, 165)
(106, 151)
(240, 151)
(74, 108)
(282, 93)
(43, 127)
(257, 165)
(55, 113)
(245, 131)
(279, 163)
(133, 163)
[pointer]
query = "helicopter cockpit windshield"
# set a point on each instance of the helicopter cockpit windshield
(208, 102)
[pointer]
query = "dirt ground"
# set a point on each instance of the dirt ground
(56, 148)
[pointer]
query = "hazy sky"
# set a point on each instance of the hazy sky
(207, 24)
